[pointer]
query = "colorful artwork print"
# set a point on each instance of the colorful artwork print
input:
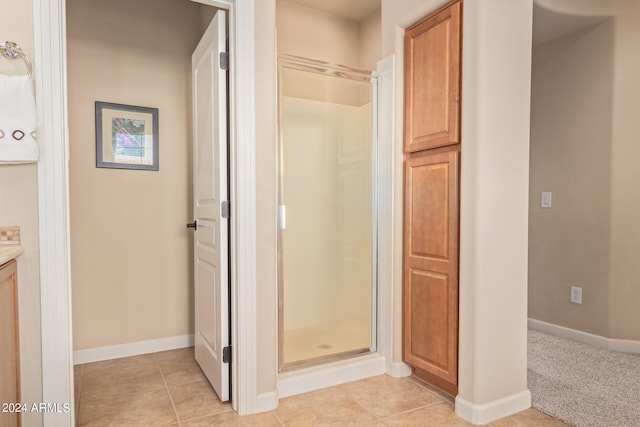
(128, 137)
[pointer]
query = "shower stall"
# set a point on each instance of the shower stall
(326, 213)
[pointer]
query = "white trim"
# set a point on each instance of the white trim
(614, 344)
(53, 208)
(266, 402)
(329, 375)
(384, 209)
(131, 349)
(244, 376)
(488, 412)
(400, 370)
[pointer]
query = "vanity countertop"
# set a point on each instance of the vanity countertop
(7, 253)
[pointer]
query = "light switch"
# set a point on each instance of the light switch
(545, 200)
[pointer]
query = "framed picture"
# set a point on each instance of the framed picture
(126, 136)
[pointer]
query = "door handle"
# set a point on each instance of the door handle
(282, 217)
(193, 225)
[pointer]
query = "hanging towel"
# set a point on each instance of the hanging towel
(18, 120)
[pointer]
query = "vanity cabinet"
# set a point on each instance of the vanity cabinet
(432, 152)
(9, 343)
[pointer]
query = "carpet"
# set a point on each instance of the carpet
(582, 385)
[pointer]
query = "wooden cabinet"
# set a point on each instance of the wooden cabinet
(432, 81)
(431, 198)
(9, 344)
(431, 267)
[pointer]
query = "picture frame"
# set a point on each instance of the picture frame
(126, 137)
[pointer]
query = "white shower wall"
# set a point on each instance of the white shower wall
(327, 243)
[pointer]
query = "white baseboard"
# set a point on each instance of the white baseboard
(316, 378)
(489, 412)
(400, 370)
(266, 402)
(624, 346)
(131, 349)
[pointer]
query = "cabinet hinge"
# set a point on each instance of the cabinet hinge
(224, 60)
(226, 354)
(225, 209)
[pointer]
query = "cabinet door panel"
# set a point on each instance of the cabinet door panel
(432, 81)
(9, 343)
(431, 264)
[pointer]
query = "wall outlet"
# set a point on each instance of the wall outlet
(576, 295)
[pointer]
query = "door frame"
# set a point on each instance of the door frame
(53, 205)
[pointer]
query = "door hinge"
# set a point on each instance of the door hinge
(226, 354)
(226, 209)
(224, 60)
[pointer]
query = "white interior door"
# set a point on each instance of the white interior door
(211, 252)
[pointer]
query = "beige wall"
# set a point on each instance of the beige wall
(315, 34)
(19, 206)
(624, 296)
(370, 33)
(571, 113)
(131, 253)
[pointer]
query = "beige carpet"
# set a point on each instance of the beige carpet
(582, 385)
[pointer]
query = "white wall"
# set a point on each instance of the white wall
(19, 206)
(327, 245)
(266, 155)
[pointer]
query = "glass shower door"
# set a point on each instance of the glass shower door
(326, 215)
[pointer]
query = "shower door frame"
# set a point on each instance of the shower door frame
(351, 73)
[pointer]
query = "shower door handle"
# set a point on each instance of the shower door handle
(282, 217)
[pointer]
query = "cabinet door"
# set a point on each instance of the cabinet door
(432, 81)
(9, 355)
(431, 222)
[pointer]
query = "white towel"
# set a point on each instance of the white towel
(18, 121)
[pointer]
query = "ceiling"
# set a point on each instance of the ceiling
(549, 25)
(353, 10)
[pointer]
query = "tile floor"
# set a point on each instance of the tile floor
(168, 388)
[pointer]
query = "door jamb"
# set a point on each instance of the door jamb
(53, 205)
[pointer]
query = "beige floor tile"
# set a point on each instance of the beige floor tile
(528, 418)
(116, 365)
(77, 382)
(231, 419)
(440, 414)
(180, 371)
(145, 409)
(196, 400)
(180, 353)
(129, 380)
(323, 408)
(384, 396)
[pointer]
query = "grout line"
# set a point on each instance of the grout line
(79, 399)
(166, 387)
(275, 414)
(429, 405)
(365, 409)
(201, 417)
